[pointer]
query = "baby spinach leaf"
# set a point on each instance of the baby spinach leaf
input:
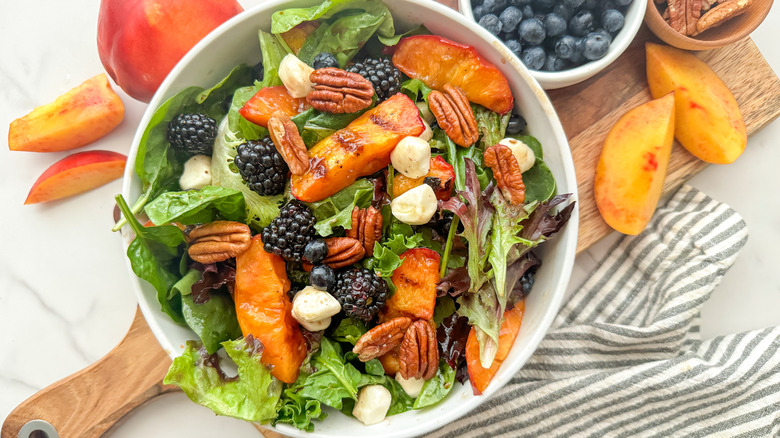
(334, 380)
(184, 285)
(374, 367)
(316, 125)
(155, 256)
(349, 330)
(401, 400)
(197, 206)
(435, 389)
(349, 25)
(213, 321)
(393, 40)
(336, 210)
(457, 156)
(532, 143)
(252, 395)
(539, 182)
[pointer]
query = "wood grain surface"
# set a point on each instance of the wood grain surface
(89, 403)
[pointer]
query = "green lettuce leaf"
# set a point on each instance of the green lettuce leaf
(336, 210)
(297, 410)
(435, 389)
(260, 210)
(252, 395)
(197, 206)
(491, 125)
(349, 330)
(214, 321)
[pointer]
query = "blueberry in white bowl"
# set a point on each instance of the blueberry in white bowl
(562, 42)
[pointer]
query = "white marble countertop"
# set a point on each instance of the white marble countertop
(64, 296)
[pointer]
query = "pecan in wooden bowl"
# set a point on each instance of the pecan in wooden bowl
(704, 24)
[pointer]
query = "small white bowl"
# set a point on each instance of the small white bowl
(551, 80)
(235, 42)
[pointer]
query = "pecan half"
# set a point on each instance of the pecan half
(381, 339)
(339, 91)
(507, 172)
(218, 241)
(284, 134)
(343, 251)
(366, 227)
(454, 115)
(719, 14)
(684, 15)
(419, 351)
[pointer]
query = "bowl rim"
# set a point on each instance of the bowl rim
(655, 21)
(554, 80)
(568, 241)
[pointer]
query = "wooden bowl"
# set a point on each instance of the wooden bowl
(731, 31)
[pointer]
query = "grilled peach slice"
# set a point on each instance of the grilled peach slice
(360, 149)
(260, 107)
(478, 376)
(441, 173)
(438, 61)
(415, 281)
(265, 311)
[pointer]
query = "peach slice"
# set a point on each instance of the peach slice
(295, 37)
(438, 61)
(478, 376)
(78, 117)
(360, 149)
(75, 174)
(707, 118)
(440, 169)
(632, 167)
(415, 281)
(260, 107)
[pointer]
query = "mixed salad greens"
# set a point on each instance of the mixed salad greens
(483, 241)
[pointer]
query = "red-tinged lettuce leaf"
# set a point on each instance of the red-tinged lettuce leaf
(541, 223)
(451, 336)
(456, 282)
(528, 262)
(215, 276)
(251, 395)
(473, 208)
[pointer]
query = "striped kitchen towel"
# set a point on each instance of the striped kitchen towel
(624, 359)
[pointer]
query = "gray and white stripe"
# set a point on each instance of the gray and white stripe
(624, 358)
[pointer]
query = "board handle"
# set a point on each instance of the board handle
(92, 401)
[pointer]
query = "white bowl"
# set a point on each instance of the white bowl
(551, 80)
(235, 42)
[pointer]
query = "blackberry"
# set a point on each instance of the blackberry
(261, 166)
(360, 292)
(382, 74)
(288, 233)
(193, 133)
(323, 60)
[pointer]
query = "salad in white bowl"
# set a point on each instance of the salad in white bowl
(349, 224)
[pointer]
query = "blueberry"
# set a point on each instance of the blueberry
(603, 32)
(476, 3)
(591, 5)
(565, 47)
(510, 18)
(553, 63)
(478, 12)
(577, 57)
(544, 5)
(623, 2)
(519, 3)
(514, 46)
(554, 25)
(516, 124)
(563, 11)
(573, 4)
(315, 251)
(532, 31)
(322, 277)
(493, 6)
(595, 46)
(612, 20)
(491, 23)
(533, 57)
(607, 4)
(324, 59)
(528, 11)
(539, 16)
(581, 23)
(257, 72)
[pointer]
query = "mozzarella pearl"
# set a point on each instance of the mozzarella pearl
(427, 135)
(523, 154)
(412, 386)
(312, 307)
(425, 112)
(415, 207)
(412, 157)
(196, 173)
(372, 404)
(295, 74)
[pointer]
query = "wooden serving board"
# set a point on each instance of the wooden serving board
(92, 401)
